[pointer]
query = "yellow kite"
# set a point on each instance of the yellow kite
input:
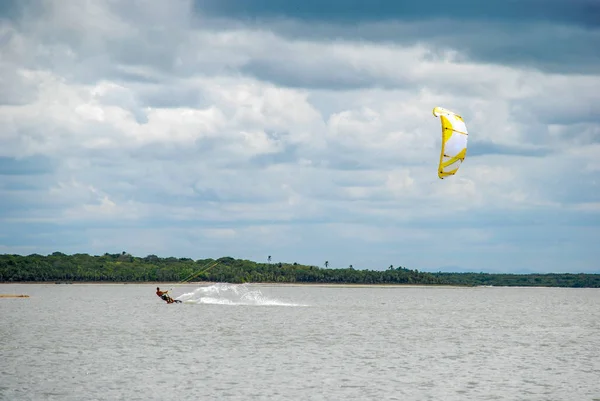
(454, 142)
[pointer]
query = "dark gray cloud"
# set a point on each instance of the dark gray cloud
(575, 102)
(33, 165)
(42, 237)
(556, 35)
(584, 12)
(172, 97)
(303, 72)
(10, 9)
(522, 34)
(484, 148)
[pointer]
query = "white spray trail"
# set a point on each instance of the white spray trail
(230, 294)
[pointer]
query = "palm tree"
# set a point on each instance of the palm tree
(269, 259)
(391, 267)
(326, 263)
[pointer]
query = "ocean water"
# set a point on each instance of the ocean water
(267, 342)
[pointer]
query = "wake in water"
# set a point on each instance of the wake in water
(230, 294)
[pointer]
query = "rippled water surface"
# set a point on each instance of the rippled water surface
(260, 342)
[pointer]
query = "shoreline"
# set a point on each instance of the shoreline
(264, 284)
(204, 283)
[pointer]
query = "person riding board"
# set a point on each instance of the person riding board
(166, 297)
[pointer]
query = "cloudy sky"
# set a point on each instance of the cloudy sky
(302, 130)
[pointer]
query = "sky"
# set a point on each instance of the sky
(303, 131)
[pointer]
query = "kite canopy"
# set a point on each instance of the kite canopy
(454, 141)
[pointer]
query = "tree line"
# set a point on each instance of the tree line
(123, 267)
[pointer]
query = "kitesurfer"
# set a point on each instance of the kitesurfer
(164, 295)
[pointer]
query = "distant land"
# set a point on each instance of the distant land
(123, 267)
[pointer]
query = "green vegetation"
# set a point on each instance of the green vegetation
(522, 280)
(123, 267)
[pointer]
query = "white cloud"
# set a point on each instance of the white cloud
(249, 141)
